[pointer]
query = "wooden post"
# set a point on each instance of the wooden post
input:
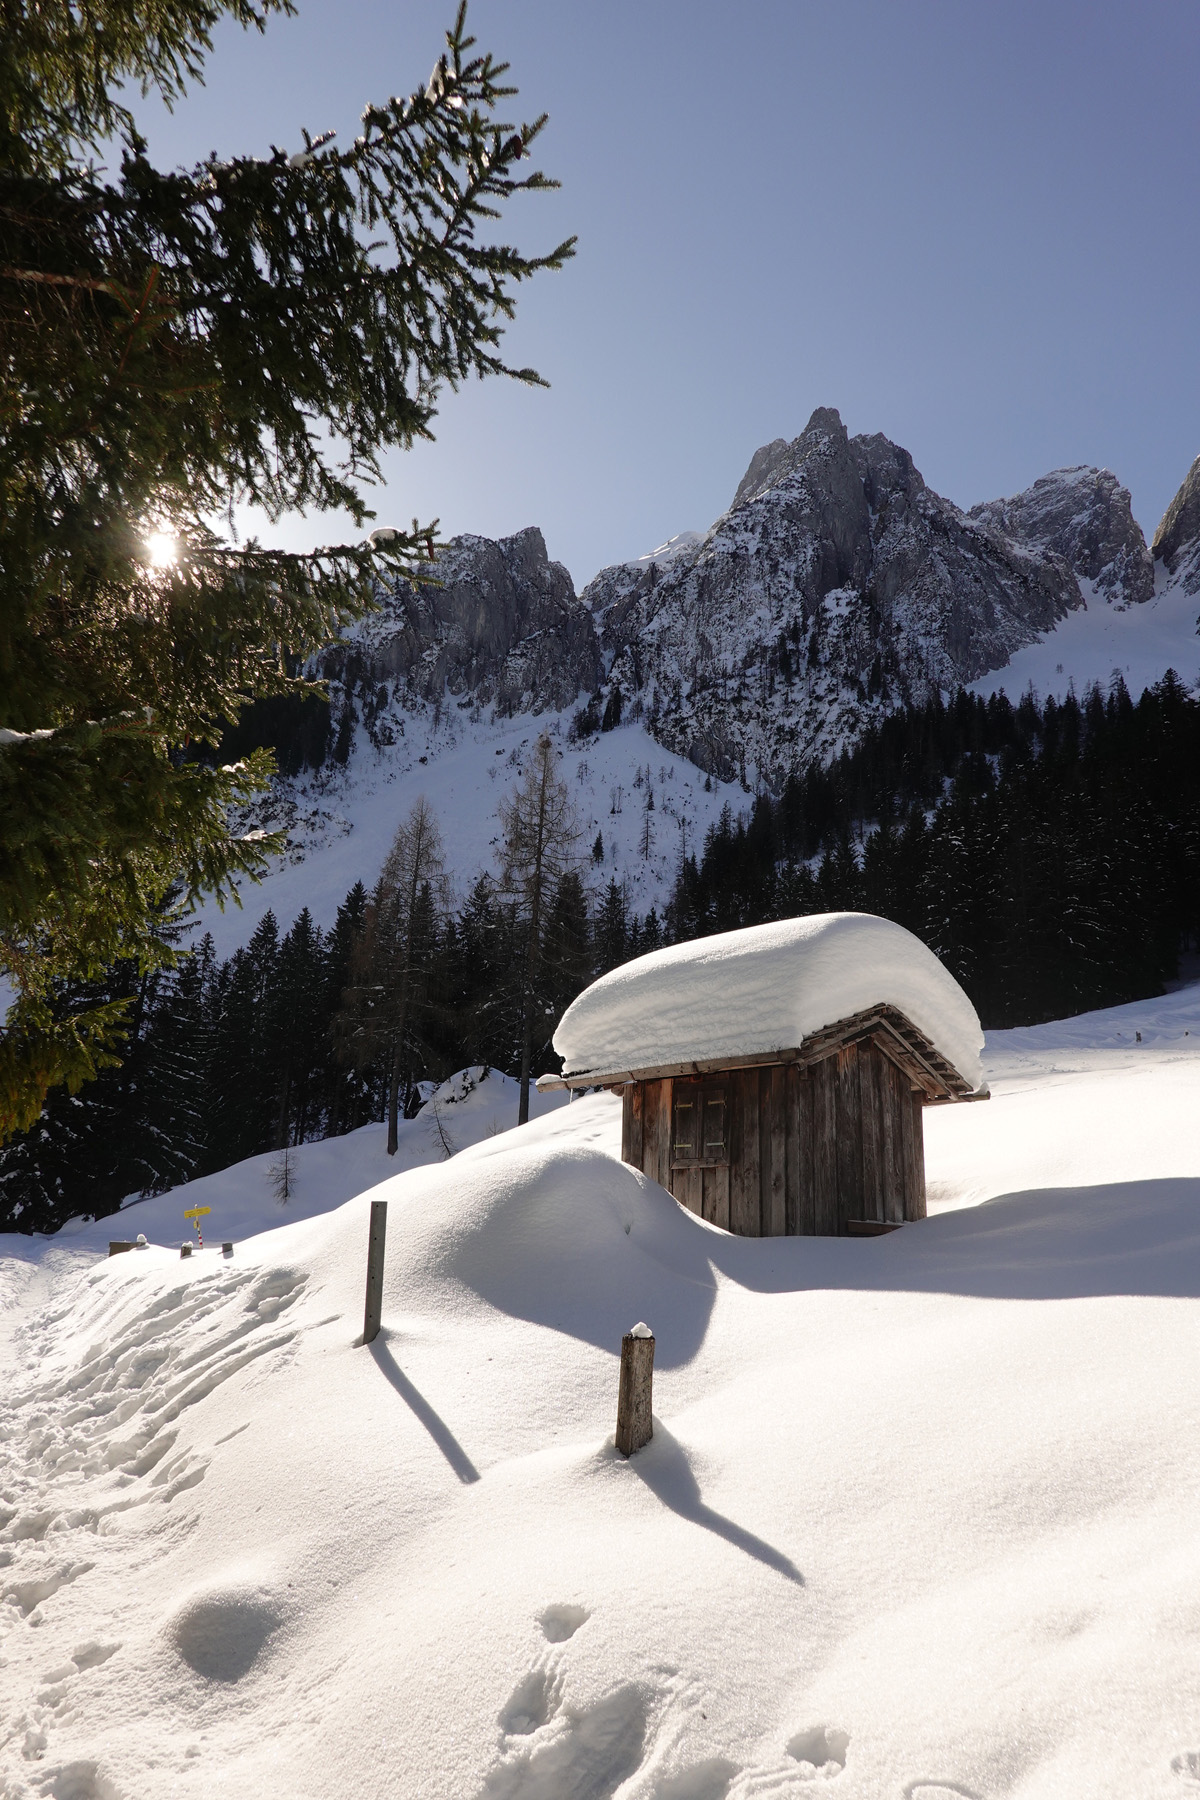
(374, 1307)
(635, 1424)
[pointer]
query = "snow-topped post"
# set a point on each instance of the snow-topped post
(373, 1312)
(635, 1423)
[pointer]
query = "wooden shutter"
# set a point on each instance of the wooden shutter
(714, 1140)
(684, 1133)
(700, 1125)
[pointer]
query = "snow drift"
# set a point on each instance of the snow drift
(917, 1519)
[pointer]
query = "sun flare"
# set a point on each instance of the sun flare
(162, 548)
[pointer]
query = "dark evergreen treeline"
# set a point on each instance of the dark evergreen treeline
(280, 1044)
(1050, 854)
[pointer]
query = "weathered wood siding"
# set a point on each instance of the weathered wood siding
(811, 1147)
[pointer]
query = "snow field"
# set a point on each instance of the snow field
(918, 1518)
(1098, 640)
(341, 822)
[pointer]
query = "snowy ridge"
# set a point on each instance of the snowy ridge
(914, 1509)
(745, 993)
(837, 587)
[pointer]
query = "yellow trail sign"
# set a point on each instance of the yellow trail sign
(197, 1212)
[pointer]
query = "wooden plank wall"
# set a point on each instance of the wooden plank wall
(810, 1147)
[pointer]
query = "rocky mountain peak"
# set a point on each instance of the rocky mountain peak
(502, 627)
(839, 585)
(1082, 516)
(775, 461)
(1177, 540)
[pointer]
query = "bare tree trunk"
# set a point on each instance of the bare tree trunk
(531, 959)
(526, 1034)
(539, 830)
(393, 1117)
(281, 1128)
(397, 1071)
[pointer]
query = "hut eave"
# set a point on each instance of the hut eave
(927, 1069)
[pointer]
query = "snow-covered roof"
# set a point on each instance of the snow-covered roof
(749, 993)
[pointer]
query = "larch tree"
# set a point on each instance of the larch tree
(253, 331)
(540, 834)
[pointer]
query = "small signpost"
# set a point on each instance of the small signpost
(373, 1312)
(635, 1422)
(195, 1215)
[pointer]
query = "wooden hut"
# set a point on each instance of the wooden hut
(774, 1079)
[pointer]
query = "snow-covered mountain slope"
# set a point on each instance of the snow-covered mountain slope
(1099, 641)
(836, 587)
(645, 804)
(918, 1515)
(1139, 611)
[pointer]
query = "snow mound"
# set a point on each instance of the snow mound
(915, 1509)
(747, 993)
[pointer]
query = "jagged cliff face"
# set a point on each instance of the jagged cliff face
(836, 587)
(1177, 540)
(502, 629)
(839, 585)
(1083, 518)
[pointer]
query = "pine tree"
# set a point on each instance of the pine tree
(296, 1024)
(610, 931)
(353, 1094)
(567, 965)
(389, 996)
(242, 1089)
(175, 344)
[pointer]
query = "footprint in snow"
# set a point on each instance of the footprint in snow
(221, 1632)
(532, 1703)
(561, 1622)
(76, 1781)
(591, 1753)
(1187, 1766)
(822, 1747)
(708, 1780)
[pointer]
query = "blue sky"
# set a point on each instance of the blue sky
(970, 226)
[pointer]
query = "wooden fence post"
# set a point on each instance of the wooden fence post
(374, 1307)
(635, 1423)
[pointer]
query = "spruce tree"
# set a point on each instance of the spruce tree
(385, 1013)
(351, 1096)
(174, 344)
(484, 987)
(567, 964)
(243, 1090)
(296, 1026)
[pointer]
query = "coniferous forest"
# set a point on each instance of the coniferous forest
(1048, 852)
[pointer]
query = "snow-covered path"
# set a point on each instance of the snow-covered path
(918, 1518)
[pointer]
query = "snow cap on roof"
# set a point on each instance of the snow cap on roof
(747, 993)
